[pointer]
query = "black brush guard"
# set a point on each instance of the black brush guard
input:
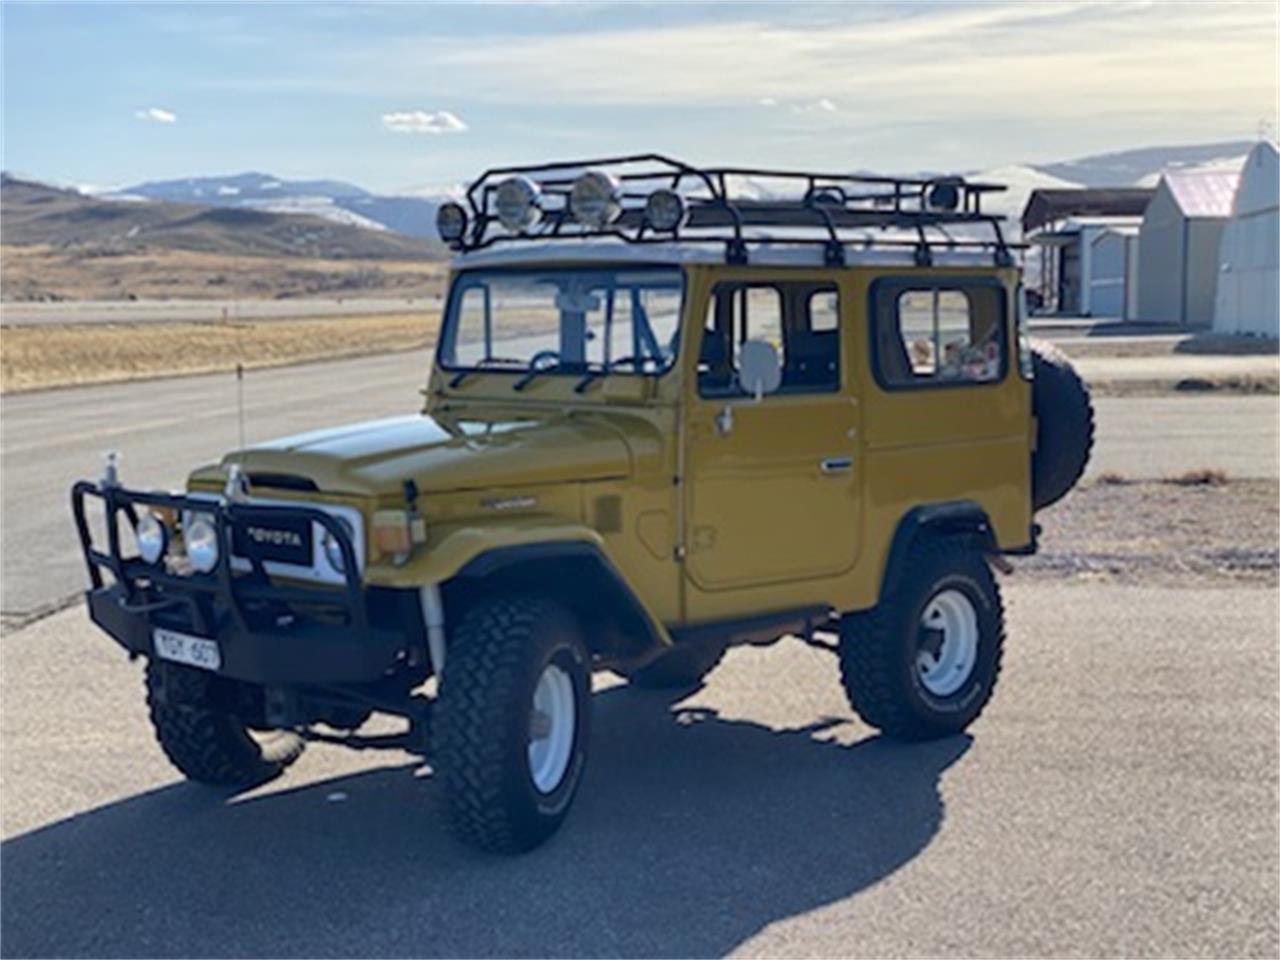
(268, 631)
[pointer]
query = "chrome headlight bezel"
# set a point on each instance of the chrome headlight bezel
(152, 537)
(200, 539)
(333, 551)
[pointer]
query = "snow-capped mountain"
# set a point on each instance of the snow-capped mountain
(334, 200)
(1143, 166)
(412, 210)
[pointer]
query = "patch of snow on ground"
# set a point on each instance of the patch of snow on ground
(316, 207)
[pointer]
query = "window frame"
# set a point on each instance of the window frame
(459, 285)
(817, 286)
(896, 286)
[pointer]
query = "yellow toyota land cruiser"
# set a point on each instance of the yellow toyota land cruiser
(672, 409)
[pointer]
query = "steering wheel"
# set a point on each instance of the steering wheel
(541, 358)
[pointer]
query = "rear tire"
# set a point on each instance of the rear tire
(512, 723)
(205, 740)
(1064, 425)
(678, 668)
(924, 663)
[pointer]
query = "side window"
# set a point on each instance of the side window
(935, 336)
(801, 320)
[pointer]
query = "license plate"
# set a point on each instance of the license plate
(184, 648)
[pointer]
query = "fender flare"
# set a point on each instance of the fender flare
(952, 518)
(580, 574)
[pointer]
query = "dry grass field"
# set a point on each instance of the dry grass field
(37, 357)
(42, 272)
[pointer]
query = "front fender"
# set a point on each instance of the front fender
(445, 555)
(472, 552)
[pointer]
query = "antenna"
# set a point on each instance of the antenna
(240, 398)
(239, 369)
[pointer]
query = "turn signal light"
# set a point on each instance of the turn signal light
(397, 532)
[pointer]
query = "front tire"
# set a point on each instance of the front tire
(198, 722)
(512, 723)
(924, 662)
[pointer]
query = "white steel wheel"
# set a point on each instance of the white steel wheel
(947, 644)
(552, 725)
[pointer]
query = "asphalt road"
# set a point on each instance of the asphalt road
(165, 427)
(151, 311)
(1118, 798)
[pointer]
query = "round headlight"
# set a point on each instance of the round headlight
(451, 222)
(200, 537)
(516, 203)
(664, 210)
(333, 550)
(595, 200)
(153, 538)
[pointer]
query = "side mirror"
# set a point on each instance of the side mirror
(759, 369)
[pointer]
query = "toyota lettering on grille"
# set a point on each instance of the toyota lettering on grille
(279, 538)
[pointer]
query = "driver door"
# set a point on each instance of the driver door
(773, 482)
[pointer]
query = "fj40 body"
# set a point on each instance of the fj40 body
(665, 416)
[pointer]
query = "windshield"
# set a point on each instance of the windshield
(564, 320)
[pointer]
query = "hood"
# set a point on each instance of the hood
(377, 456)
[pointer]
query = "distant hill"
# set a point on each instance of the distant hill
(36, 213)
(411, 215)
(1143, 166)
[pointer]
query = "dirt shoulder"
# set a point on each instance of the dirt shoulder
(1201, 529)
(38, 357)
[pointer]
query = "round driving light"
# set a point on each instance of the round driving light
(595, 200)
(664, 210)
(333, 550)
(945, 195)
(200, 537)
(152, 536)
(516, 203)
(451, 222)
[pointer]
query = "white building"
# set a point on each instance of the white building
(1249, 260)
(1178, 247)
(1087, 240)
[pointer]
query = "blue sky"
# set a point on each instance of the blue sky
(393, 96)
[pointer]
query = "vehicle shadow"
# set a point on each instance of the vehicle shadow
(692, 832)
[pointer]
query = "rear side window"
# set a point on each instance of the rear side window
(948, 334)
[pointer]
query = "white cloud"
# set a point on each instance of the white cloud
(768, 101)
(419, 121)
(821, 105)
(156, 115)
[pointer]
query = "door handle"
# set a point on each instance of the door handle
(834, 465)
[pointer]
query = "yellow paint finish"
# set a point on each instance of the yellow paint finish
(763, 528)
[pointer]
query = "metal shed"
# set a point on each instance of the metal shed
(1087, 244)
(1178, 247)
(1249, 260)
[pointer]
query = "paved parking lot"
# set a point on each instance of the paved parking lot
(1117, 799)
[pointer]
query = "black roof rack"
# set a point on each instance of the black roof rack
(720, 211)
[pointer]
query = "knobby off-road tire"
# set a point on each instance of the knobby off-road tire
(485, 722)
(678, 668)
(885, 652)
(1064, 425)
(203, 739)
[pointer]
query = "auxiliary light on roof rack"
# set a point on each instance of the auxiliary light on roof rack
(649, 198)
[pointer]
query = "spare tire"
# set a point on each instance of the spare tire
(1064, 425)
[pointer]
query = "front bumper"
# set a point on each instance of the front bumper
(268, 632)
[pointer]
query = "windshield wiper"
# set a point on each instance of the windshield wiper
(591, 377)
(533, 375)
